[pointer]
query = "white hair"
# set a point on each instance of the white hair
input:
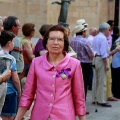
(103, 27)
(92, 30)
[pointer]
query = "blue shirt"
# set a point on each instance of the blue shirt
(100, 45)
(10, 85)
(116, 57)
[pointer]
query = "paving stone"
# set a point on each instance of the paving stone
(103, 113)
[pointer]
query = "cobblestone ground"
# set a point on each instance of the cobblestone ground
(103, 113)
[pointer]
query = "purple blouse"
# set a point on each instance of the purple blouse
(39, 47)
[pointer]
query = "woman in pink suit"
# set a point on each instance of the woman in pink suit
(56, 80)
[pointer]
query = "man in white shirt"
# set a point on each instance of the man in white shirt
(92, 34)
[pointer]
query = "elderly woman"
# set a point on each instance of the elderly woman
(56, 81)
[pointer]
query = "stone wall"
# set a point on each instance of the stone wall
(42, 11)
(34, 11)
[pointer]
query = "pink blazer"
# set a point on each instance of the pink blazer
(57, 98)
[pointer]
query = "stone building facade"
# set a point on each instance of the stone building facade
(42, 11)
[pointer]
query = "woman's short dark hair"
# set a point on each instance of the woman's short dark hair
(5, 37)
(57, 28)
(44, 28)
(110, 22)
(28, 28)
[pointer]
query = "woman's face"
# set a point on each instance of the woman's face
(55, 43)
(32, 33)
(112, 26)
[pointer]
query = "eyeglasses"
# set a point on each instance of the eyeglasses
(58, 39)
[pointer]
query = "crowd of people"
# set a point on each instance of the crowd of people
(52, 77)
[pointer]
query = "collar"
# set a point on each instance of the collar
(101, 34)
(62, 64)
(91, 36)
(3, 52)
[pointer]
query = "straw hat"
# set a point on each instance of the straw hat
(81, 22)
(79, 28)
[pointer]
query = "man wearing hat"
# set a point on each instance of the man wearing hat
(80, 22)
(84, 52)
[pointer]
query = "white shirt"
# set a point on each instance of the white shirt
(90, 40)
(100, 45)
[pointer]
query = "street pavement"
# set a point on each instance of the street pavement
(103, 113)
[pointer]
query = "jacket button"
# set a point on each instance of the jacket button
(54, 76)
(53, 85)
(51, 95)
(51, 104)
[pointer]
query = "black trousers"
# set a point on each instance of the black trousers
(90, 78)
(86, 75)
(116, 82)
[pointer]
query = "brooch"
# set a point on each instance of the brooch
(64, 73)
